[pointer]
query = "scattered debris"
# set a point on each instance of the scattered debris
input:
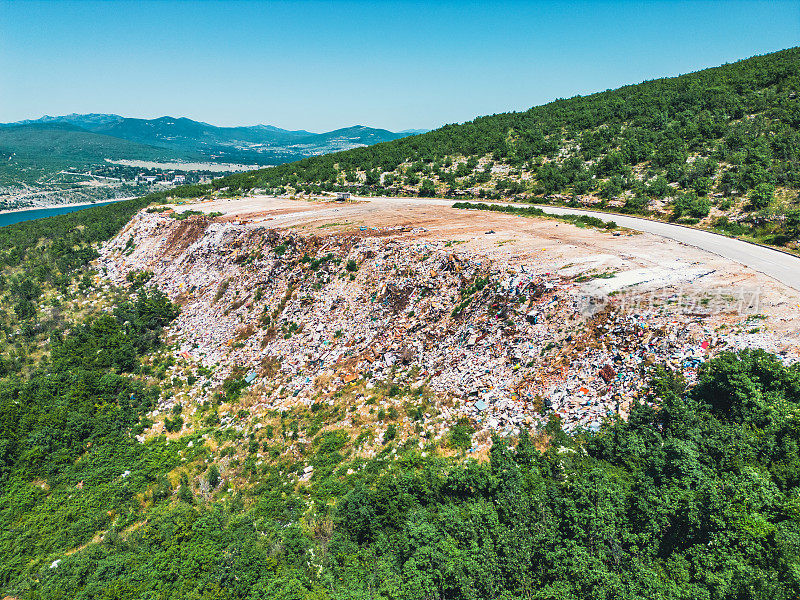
(504, 344)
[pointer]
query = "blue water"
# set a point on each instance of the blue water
(39, 213)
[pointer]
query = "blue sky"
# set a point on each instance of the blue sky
(322, 65)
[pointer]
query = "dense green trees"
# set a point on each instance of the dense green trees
(660, 123)
(80, 394)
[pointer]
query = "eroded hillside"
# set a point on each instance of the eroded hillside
(288, 335)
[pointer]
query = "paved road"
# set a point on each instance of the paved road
(778, 265)
(785, 268)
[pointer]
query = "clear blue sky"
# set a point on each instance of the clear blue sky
(323, 65)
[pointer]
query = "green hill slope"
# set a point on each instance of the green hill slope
(28, 151)
(722, 141)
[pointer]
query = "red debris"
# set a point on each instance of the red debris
(607, 373)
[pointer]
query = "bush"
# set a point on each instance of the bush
(461, 434)
(761, 196)
(702, 185)
(213, 476)
(658, 188)
(689, 204)
(173, 425)
(391, 433)
(611, 188)
(185, 490)
(637, 204)
(731, 227)
(427, 189)
(792, 225)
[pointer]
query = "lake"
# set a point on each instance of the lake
(38, 213)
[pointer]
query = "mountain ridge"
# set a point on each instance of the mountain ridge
(262, 141)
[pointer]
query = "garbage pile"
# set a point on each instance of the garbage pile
(508, 345)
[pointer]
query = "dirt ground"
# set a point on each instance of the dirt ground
(643, 265)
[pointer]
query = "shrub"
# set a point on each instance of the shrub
(689, 204)
(391, 433)
(636, 204)
(185, 491)
(213, 476)
(761, 196)
(461, 434)
(173, 425)
(792, 224)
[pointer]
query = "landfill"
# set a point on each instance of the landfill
(508, 346)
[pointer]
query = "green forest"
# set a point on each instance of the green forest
(719, 148)
(33, 151)
(697, 496)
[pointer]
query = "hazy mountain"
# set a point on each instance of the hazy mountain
(414, 131)
(265, 144)
(188, 134)
(87, 121)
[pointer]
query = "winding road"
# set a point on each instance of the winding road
(782, 266)
(778, 265)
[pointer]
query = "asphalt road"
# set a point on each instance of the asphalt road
(781, 266)
(778, 265)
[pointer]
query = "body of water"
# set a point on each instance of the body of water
(18, 216)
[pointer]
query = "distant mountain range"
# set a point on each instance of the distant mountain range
(260, 144)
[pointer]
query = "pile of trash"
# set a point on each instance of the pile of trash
(507, 345)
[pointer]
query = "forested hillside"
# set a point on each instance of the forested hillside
(699, 498)
(34, 150)
(720, 146)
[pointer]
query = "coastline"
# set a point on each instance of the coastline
(66, 205)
